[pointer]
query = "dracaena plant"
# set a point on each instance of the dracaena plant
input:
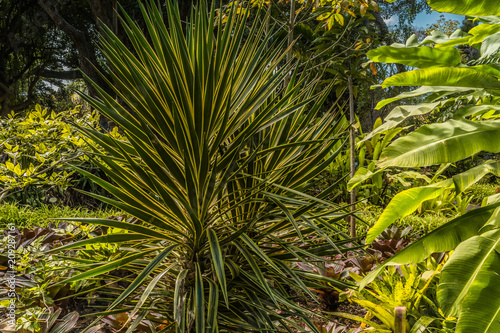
(216, 167)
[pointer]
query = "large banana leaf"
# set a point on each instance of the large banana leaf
(442, 143)
(481, 31)
(445, 238)
(407, 201)
(421, 57)
(441, 90)
(440, 39)
(444, 76)
(470, 284)
(403, 204)
(466, 7)
(490, 45)
(475, 110)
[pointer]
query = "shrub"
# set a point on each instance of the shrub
(35, 148)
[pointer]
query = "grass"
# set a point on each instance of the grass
(482, 190)
(420, 223)
(428, 221)
(28, 217)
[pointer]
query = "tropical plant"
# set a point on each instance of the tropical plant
(410, 286)
(469, 268)
(469, 283)
(214, 168)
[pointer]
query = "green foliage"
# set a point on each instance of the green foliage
(462, 137)
(444, 238)
(471, 77)
(470, 284)
(38, 320)
(431, 90)
(482, 190)
(38, 301)
(34, 150)
(214, 168)
(329, 13)
(399, 114)
(407, 201)
(381, 186)
(470, 231)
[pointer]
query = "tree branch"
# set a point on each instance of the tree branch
(62, 75)
(75, 35)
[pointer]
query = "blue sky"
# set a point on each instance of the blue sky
(423, 19)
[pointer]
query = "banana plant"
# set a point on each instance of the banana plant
(469, 287)
(470, 90)
(216, 167)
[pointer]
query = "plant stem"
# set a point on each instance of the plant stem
(400, 319)
(352, 155)
(291, 23)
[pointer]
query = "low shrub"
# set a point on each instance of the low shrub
(37, 150)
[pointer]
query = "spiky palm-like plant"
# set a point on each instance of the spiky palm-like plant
(216, 169)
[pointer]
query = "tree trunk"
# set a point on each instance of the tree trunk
(5, 106)
(4, 100)
(101, 12)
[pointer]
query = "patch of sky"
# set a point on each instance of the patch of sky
(424, 20)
